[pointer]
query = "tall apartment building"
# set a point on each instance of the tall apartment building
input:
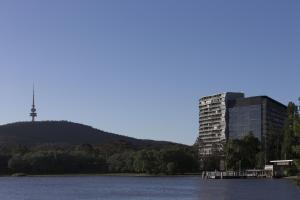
(232, 116)
(213, 120)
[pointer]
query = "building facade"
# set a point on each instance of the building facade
(257, 115)
(213, 120)
(232, 116)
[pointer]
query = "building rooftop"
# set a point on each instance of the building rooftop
(253, 101)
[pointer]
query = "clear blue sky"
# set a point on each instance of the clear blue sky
(139, 67)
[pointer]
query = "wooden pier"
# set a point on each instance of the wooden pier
(254, 173)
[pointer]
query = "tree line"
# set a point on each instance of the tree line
(290, 147)
(94, 159)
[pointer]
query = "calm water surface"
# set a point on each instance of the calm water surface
(142, 188)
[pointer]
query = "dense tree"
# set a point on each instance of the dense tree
(243, 154)
(291, 131)
(273, 143)
(210, 163)
(296, 136)
(46, 159)
(250, 147)
(147, 162)
(56, 162)
(296, 139)
(4, 158)
(179, 159)
(18, 165)
(260, 160)
(121, 162)
(232, 154)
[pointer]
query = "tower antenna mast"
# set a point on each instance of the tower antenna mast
(33, 113)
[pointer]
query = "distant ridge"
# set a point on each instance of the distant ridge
(64, 132)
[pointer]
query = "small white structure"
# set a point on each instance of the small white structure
(269, 171)
(282, 162)
(279, 166)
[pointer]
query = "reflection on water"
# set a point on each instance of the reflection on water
(142, 188)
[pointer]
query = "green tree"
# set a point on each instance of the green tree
(274, 143)
(171, 168)
(242, 154)
(168, 161)
(185, 160)
(232, 154)
(296, 139)
(4, 158)
(18, 165)
(147, 161)
(289, 132)
(250, 147)
(121, 162)
(260, 160)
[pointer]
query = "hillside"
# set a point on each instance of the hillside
(61, 147)
(63, 132)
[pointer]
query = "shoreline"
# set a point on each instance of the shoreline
(294, 179)
(107, 174)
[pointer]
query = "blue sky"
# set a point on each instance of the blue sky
(139, 67)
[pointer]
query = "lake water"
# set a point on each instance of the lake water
(142, 188)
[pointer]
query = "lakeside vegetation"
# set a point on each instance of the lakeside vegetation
(86, 159)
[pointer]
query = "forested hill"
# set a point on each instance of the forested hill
(61, 147)
(63, 132)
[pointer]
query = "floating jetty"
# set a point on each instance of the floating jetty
(254, 173)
